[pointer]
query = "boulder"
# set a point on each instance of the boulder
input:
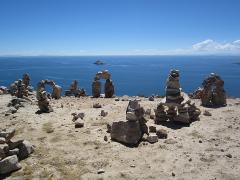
(25, 149)
(126, 132)
(9, 164)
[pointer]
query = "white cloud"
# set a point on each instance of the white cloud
(211, 46)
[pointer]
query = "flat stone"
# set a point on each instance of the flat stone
(131, 116)
(152, 138)
(7, 134)
(9, 164)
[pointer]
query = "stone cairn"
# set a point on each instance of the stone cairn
(74, 90)
(108, 88)
(213, 93)
(176, 106)
(131, 130)
(21, 87)
(43, 97)
(12, 151)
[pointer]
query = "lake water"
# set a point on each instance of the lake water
(132, 75)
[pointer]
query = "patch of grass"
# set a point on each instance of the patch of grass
(48, 127)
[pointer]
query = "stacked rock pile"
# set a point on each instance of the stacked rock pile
(176, 106)
(12, 151)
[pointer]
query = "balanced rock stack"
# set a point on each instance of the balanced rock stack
(213, 93)
(12, 151)
(176, 106)
(74, 90)
(131, 130)
(96, 84)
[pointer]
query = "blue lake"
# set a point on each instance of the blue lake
(132, 75)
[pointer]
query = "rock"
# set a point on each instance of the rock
(229, 155)
(173, 174)
(126, 132)
(12, 110)
(25, 149)
(162, 134)
(3, 150)
(207, 113)
(79, 124)
(9, 164)
(100, 171)
(117, 99)
(81, 115)
(144, 137)
(15, 143)
(109, 127)
(2, 140)
(7, 134)
(131, 116)
(152, 129)
(151, 98)
(105, 138)
(152, 138)
(97, 105)
(132, 165)
(103, 113)
(13, 152)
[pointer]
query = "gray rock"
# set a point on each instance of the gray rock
(3, 150)
(12, 110)
(103, 113)
(151, 98)
(152, 129)
(97, 105)
(2, 140)
(100, 171)
(162, 134)
(15, 143)
(7, 134)
(13, 152)
(126, 132)
(9, 164)
(79, 124)
(25, 149)
(131, 116)
(152, 138)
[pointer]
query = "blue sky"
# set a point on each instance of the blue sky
(119, 27)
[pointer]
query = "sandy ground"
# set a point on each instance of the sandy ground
(200, 151)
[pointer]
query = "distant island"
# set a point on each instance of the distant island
(99, 62)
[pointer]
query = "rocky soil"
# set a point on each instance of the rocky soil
(207, 149)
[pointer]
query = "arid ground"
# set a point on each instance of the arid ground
(207, 149)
